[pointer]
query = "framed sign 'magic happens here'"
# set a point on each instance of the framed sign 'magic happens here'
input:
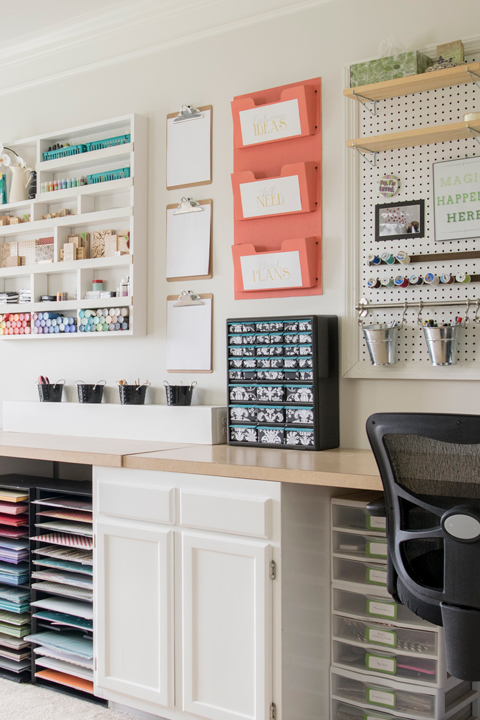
(456, 197)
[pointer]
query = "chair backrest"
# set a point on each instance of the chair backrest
(430, 469)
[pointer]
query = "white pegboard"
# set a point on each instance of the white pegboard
(413, 167)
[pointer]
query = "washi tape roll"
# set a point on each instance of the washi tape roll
(431, 279)
(463, 278)
(401, 281)
(402, 257)
(388, 258)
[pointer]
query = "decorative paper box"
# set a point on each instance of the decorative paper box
(389, 68)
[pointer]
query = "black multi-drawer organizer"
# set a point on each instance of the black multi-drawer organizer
(283, 382)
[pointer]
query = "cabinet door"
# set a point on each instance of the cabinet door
(227, 628)
(134, 611)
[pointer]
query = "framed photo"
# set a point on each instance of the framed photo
(401, 220)
(456, 198)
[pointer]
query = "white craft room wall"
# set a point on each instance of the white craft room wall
(287, 42)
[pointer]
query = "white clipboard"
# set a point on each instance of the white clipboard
(189, 150)
(189, 243)
(189, 336)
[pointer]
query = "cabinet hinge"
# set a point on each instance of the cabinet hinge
(273, 711)
(273, 570)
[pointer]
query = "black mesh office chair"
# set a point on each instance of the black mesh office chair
(430, 469)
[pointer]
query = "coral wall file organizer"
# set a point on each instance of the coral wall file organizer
(293, 191)
(296, 114)
(293, 159)
(293, 266)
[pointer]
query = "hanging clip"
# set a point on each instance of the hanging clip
(187, 298)
(187, 112)
(476, 319)
(187, 205)
(404, 314)
(466, 319)
(419, 314)
(363, 309)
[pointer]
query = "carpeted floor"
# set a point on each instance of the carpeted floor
(27, 702)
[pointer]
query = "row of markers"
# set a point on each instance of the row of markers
(429, 279)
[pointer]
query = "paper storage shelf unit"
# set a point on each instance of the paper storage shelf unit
(62, 589)
(283, 382)
(104, 203)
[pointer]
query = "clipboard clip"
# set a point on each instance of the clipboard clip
(187, 205)
(187, 298)
(187, 112)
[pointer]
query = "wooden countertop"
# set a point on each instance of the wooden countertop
(69, 449)
(354, 469)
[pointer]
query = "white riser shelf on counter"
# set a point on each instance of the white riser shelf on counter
(119, 205)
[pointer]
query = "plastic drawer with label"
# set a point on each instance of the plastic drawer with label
(415, 669)
(401, 698)
(350, 513)
(385, 636)
(345, 711)
(368, 606)
(362, 547)
(359, 572)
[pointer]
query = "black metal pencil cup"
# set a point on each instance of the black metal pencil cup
(90, 394)
(51, 392)
(179, 394)
(133, 394)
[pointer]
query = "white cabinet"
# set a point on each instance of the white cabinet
(134, 610)
(211, 595)
(226, 628)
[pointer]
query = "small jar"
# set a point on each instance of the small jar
(124, 287)
(97, 285)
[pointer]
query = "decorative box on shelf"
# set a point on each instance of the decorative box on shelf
(283, 382)
(389, 68)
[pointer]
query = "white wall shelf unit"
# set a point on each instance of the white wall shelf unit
(424, 104)
(118, 205)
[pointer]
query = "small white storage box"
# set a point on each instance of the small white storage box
(359, 547)
(386, 637)
(344, 711)
(359, 572)
(350, 513)
(402, 699)
(374, 606)
(414, 669)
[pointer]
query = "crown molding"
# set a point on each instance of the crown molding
(125, 31)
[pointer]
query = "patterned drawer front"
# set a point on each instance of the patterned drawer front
(243, 413)
(235, 375)
(305, 338)
(269, 327)
(270, 393)
(243, 433)
(298, 436)
(271, 414)
(276, 351)
(241, 328)
(290, 363)
(305, 326)
(291, 350)
(235, 339)
(292, 375)
(248, 328)
(243, 392)
(276, 338)
(249, 363)
(306, 375)
(241, 351)
(262, 351)
(235, 328)
(271, 436)
(263, 339)
(299, 394)
(291, 339)
(291, 326)
(276, 362)
(299, 416)
(306, 350)
(270, 375)
(249, 339)
(305, 363)
(235, 363)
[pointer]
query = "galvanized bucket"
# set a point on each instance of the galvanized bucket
(381, 342)
(442, 344)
